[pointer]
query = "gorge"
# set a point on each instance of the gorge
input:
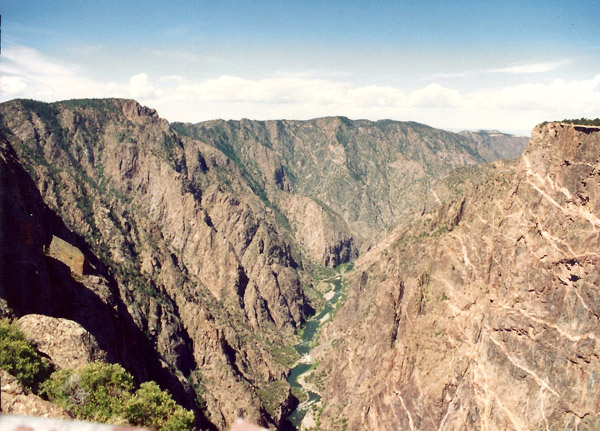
(208, 255)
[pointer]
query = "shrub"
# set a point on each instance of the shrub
(104, 393)
(154, 408)
(584, 121)
(19, 357)
(94, 392)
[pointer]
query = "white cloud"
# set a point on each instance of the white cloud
(140, 87)
(454, 74)
(24, 72)
(528, 68)
(557, 96)
(515, 69)
(278, 90)
(375, 95)
(45, 79)
(434, 95)
(12, 85)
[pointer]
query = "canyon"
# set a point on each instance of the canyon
(199, 255)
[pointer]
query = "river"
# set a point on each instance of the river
(308, 344)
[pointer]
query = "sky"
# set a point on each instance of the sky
(456, 65)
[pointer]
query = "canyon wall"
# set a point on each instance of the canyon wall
(190, 280)
(483, 313)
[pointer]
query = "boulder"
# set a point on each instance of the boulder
(66, 342)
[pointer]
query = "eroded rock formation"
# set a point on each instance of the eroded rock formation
(352, 178)
(67, 254)
(483, 314)
(190, 278)
(18, 401)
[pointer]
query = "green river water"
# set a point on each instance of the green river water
(311, 329)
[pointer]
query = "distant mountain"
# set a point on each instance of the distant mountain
(341, 183)
(493, 145)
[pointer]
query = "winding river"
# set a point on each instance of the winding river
(311, 331)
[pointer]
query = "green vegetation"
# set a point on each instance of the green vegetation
(343, 268)
(19, 358)
(318, 417)
(98, 392)
(169, 149)
(584, 121)
(339, 424)
(48, 113)
(317, 377)
(102, 105)
(154, 408)
(249, 169)
(198, 382)
(105, 393)
(440, 231)
(300, 394)
(285, 355)
(181, 129)
(94, 392)
(272, 395)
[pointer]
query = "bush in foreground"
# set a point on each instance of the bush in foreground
(19, 358)
(105, 393)
(95, 392)
(154, 408)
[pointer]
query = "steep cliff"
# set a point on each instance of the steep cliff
(356, 177)
(190, 279)
(484, 313)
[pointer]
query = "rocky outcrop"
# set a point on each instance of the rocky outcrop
(65, 342)
(33, 283)
(322, 232)
(483, 314)
(67, 254)
(18, 401)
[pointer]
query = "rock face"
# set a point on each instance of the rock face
(353, 178)
(323, 233)
(483, 314)
(493, 145)
(17, 401)
(67, 254)
(190, 281)
(65, 342)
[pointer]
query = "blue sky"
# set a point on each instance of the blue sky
(455, 65)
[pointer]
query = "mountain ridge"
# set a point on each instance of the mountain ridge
(397, 162)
